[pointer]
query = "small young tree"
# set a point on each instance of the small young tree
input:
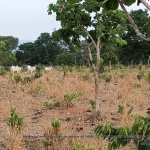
(77, 21)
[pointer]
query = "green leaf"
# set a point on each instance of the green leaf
(129, 2)
(112, 4)
(71, 1)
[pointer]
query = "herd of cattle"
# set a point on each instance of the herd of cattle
(28, 69)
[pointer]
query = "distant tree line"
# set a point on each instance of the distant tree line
(51, 50)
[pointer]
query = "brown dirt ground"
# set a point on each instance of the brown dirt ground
(78, 120)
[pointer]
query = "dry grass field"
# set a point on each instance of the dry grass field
(77, 120)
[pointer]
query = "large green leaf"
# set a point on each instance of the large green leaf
(71, 1)
(111, 4)
(129, 2)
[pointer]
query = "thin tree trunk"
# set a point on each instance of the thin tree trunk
(96, 70)
(132, 22)
(96, 77)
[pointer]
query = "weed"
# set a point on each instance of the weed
(17, 78)
(40, 89)
(136, 85)
(37, 74)
(28, 79)
(56, 123)
(46, 144)
(69, 97)
(51, 105)
(26, 142)
(86, 76)
(120, 109)
(77, 146)
(2, 72)
(93, 104)
(14, 121)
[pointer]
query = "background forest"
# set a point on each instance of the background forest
(50, 49)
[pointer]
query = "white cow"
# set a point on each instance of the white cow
(30, 69)
(15, 69)
(48, 68)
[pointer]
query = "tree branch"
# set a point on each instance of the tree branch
(132, 22)
(89, 36)
(145, 4)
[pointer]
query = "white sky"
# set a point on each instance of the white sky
(27, 19)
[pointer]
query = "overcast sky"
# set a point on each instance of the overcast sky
(26, 19)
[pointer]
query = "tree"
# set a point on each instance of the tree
(11, 42)
(114, 4)
(6, 58)
(43, 50)
(26, 54)
(65, 58)
(95, 30)
(47, 48)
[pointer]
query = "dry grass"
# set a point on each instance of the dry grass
(77, 120)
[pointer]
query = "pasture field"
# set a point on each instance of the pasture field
(34, 101)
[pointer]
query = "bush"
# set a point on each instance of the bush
(17, 78)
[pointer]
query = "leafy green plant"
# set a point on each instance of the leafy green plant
(46, 144)
(17, 78)
(138, 133)
(26, 142)
(93, 104)
(91, 148)
(130, 110)
(68, 98)
(78, 146)
(56, 123)
(37, 74)
(51, 105)
(2, 72)
(120, 109)
(28, 79)
(40, 89)
(122, 75)
(39, 68)
(136, 85)
(106, 78)
(14, 121)
(56, 104)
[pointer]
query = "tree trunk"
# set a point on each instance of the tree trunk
(96, 70)
(96, 93)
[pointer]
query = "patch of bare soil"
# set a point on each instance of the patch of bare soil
(78, 120)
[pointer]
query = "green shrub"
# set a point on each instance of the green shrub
(28, 79)
(37, 74)
(14, 121)
(51, 105)
(68, 98)
(17, 78)
(2, 72)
